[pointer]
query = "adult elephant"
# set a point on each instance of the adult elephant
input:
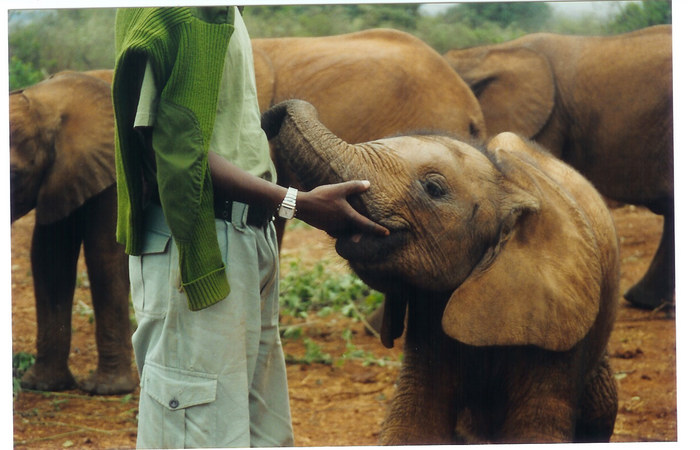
(366, 85)
(603, 105)
(369, 84)
(62, 165)
(507, 262)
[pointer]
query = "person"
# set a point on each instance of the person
(196, 196)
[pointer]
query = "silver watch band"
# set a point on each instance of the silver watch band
(287, 209)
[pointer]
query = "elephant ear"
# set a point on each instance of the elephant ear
(540, 284)
(83, 144)
(515, 87)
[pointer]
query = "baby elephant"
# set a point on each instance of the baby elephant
(507, 262)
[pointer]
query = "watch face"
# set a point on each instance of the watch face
(286, 212)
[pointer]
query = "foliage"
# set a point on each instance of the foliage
(49, 41)
(352, 352)
(444, 36)
(21, 362)
(325, 20)
(23, 74)
(42, 42)
(313, 355)
(528, 16)
(640, 15)
(305, 290)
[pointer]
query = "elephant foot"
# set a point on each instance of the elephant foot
(109, 383)
(47, 379)
(642, 297)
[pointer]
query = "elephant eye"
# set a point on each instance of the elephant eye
(434, 186)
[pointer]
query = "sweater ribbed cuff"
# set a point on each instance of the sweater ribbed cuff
(207, 290)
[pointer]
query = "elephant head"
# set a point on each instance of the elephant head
(505, 245)
(61, 145)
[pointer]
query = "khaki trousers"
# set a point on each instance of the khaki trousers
(215, 377)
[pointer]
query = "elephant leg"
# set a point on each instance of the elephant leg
(107, 266)
(54, 256)
(541, 400)
(471, 428)
(598, 408)
(421, 411)
(429, 390)
(658, 284)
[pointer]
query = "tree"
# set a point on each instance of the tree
(526, 15)
(326, 20)
(22, 74)
(49, 41)
(634, 16)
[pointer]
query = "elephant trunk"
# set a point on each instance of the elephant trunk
(303, 144)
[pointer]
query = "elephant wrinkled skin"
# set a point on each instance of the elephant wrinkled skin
(62, 165)
(603, 105)
(506, 261)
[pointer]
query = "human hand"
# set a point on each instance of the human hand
(326, 207)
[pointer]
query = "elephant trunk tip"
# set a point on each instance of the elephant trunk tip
(272, 119)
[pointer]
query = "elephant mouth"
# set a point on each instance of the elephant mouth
(363, 249)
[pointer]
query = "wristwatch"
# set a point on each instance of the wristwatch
(288, 207)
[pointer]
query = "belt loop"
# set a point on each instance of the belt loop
(239, 214)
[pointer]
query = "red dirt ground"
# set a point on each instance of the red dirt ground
(338, 405)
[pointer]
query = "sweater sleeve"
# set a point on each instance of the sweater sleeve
(187, 53)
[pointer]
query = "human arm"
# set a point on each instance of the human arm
(325, 207)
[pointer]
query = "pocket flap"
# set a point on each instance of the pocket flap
(176, 388)
(158, 234)
(155, 242)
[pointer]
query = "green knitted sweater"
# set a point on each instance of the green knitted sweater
(187, 48)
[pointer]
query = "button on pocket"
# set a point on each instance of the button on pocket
(176, 388)
(170, 402)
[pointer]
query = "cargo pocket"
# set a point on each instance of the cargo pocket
(169, 393)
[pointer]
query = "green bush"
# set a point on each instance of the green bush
(636, 15)
(22, 74)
